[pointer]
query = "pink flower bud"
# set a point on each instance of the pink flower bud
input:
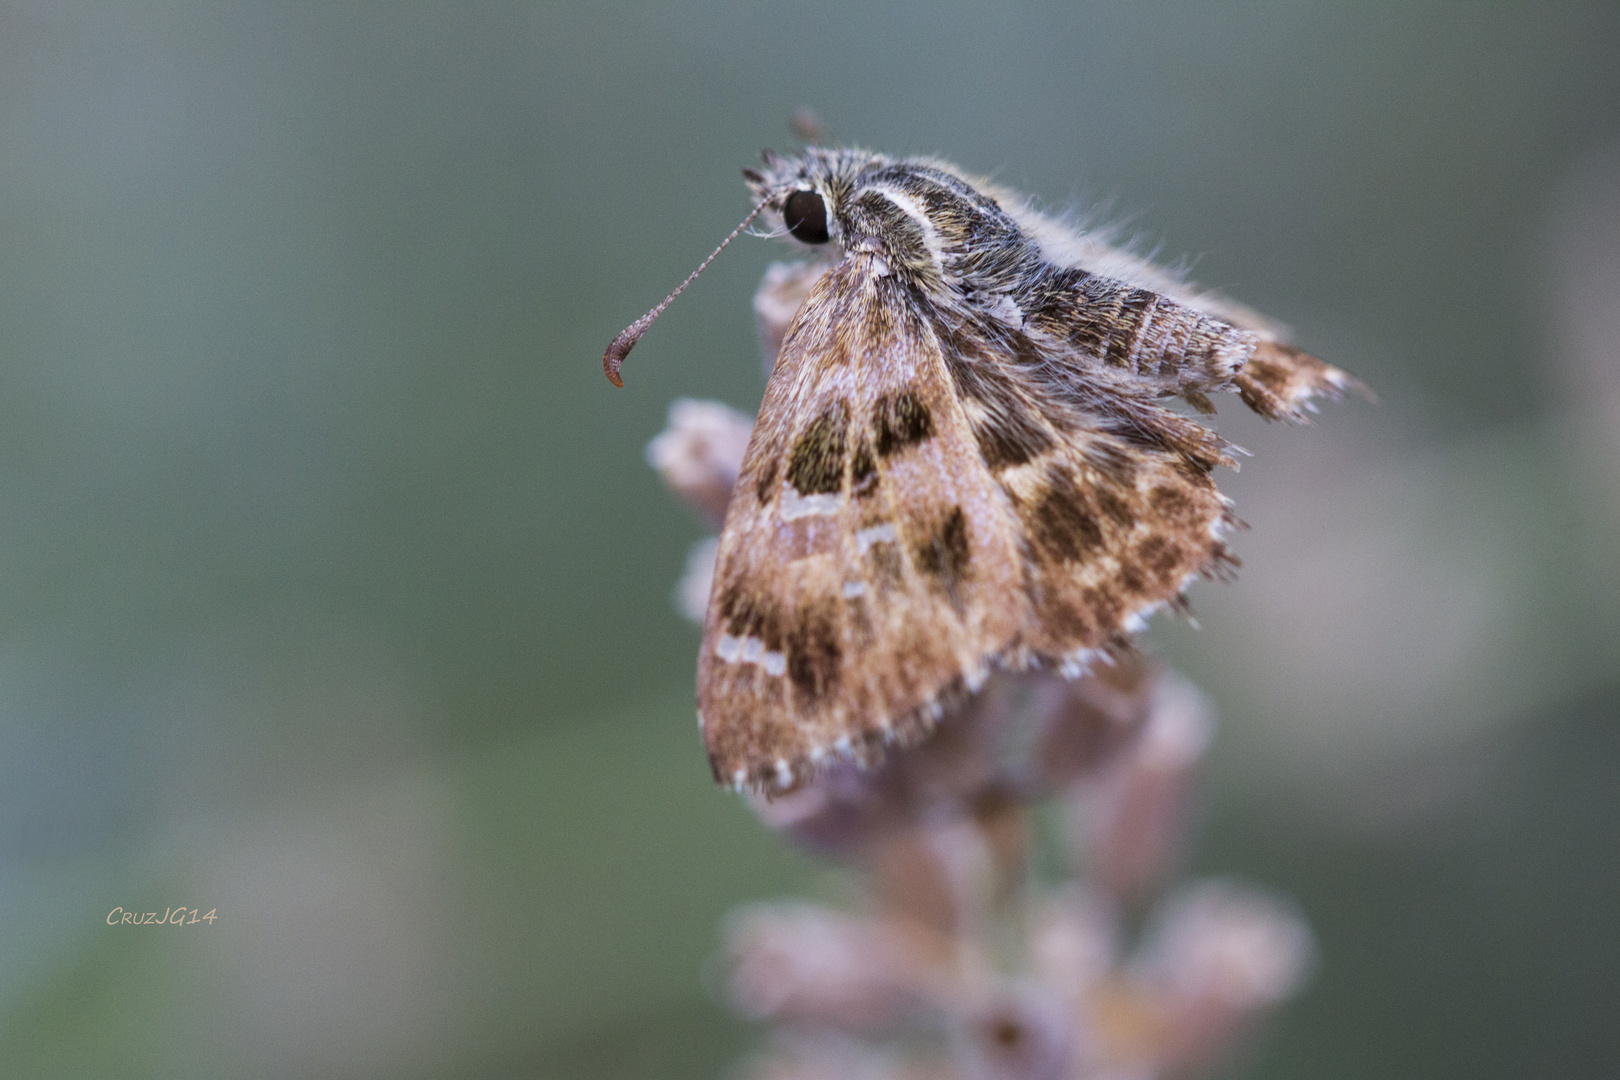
(800, 962)
(700, 452)
(1219, 955)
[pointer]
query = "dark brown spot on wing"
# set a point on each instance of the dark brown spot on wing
(1007, 440)
(1114, 506)
(900, 419)
(747, 614)
(1070, 622)
(816, 466)
(1105, 604)
(1173, 504)
(945, 554)
(1162, 557)
(863, 471)
(1064, 523)
(814, 657)
(766, 489)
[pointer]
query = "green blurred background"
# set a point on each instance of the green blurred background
(335, 592)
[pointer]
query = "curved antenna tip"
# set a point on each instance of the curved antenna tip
(613, 359)
(620, 347)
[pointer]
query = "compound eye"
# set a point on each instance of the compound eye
(805, 215)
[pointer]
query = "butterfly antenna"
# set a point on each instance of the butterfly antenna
(620, 347)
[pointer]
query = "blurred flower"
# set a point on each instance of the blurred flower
(692, 590)
(1132, 816)
(827, 1056)
(804, 963)
(781, 294)
(1219, 955)
(700, 453)
(1019, 1033)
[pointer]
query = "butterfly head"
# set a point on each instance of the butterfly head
(807, 196)
(917, 219)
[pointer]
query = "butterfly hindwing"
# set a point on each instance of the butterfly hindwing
(1111, 492)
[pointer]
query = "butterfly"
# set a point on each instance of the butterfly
(965, 459)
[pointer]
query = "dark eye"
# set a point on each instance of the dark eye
(806, 217)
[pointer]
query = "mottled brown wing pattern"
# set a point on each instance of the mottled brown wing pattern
(1110, 533)
(869, 565)
(914, 509)
(1278, 381)
(1112, 493)
(1111, 327)
(964, 457)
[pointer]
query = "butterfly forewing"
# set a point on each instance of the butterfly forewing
(870, 563)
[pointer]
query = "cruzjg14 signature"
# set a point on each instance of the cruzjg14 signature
(171, 917)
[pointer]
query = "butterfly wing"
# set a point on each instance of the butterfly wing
(915, 507)
(869, 564)
(1110, 492)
